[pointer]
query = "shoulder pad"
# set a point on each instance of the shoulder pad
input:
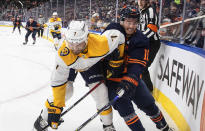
(139, 39)
(58, 19)
(51, 20)
(68, 57)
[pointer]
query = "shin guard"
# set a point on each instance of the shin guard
(160, 121)
(134, 122)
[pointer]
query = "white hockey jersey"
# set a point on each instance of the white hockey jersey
(55, 25)
(98, 47)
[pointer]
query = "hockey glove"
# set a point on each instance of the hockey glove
(129, 84)
(114, 64)
(115, 68)
(54, 115)
(31, 28)
(56, 27)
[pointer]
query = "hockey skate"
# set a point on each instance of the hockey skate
(109, 127)
(24, 43)
(39, 124)
(34, 41)
(167, 128)
(171, 129)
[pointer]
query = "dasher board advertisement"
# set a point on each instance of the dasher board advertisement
(178, 75)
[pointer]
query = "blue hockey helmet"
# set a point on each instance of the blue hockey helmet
(129, 12)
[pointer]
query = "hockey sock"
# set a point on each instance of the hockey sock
(159, 120)
(106, 116)
(134, 122)
(156, 116)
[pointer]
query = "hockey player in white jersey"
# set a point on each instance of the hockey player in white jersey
(54, 26)
(79, 51)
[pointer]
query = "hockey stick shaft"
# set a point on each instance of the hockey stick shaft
(91, 90)
(32, 27)
(98, 112)
(84, 96)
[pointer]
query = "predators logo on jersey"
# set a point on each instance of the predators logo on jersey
(66, 55)
(65, 51)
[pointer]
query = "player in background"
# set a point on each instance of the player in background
(41, 20)
(124, 67)
(17, 23)
(149, 26)
(55, 25)
(32, 28)
(79, 51)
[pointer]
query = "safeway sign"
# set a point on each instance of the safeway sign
(178, 73)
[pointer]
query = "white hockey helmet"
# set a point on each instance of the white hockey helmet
(55, 13)
(95, 15)
(77, 32)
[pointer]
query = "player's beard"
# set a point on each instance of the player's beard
(76, 52)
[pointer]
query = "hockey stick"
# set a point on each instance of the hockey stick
(91, 90)
(84, 96)
(32, 27)
(120, 94)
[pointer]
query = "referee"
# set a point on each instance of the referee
(149, 26)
